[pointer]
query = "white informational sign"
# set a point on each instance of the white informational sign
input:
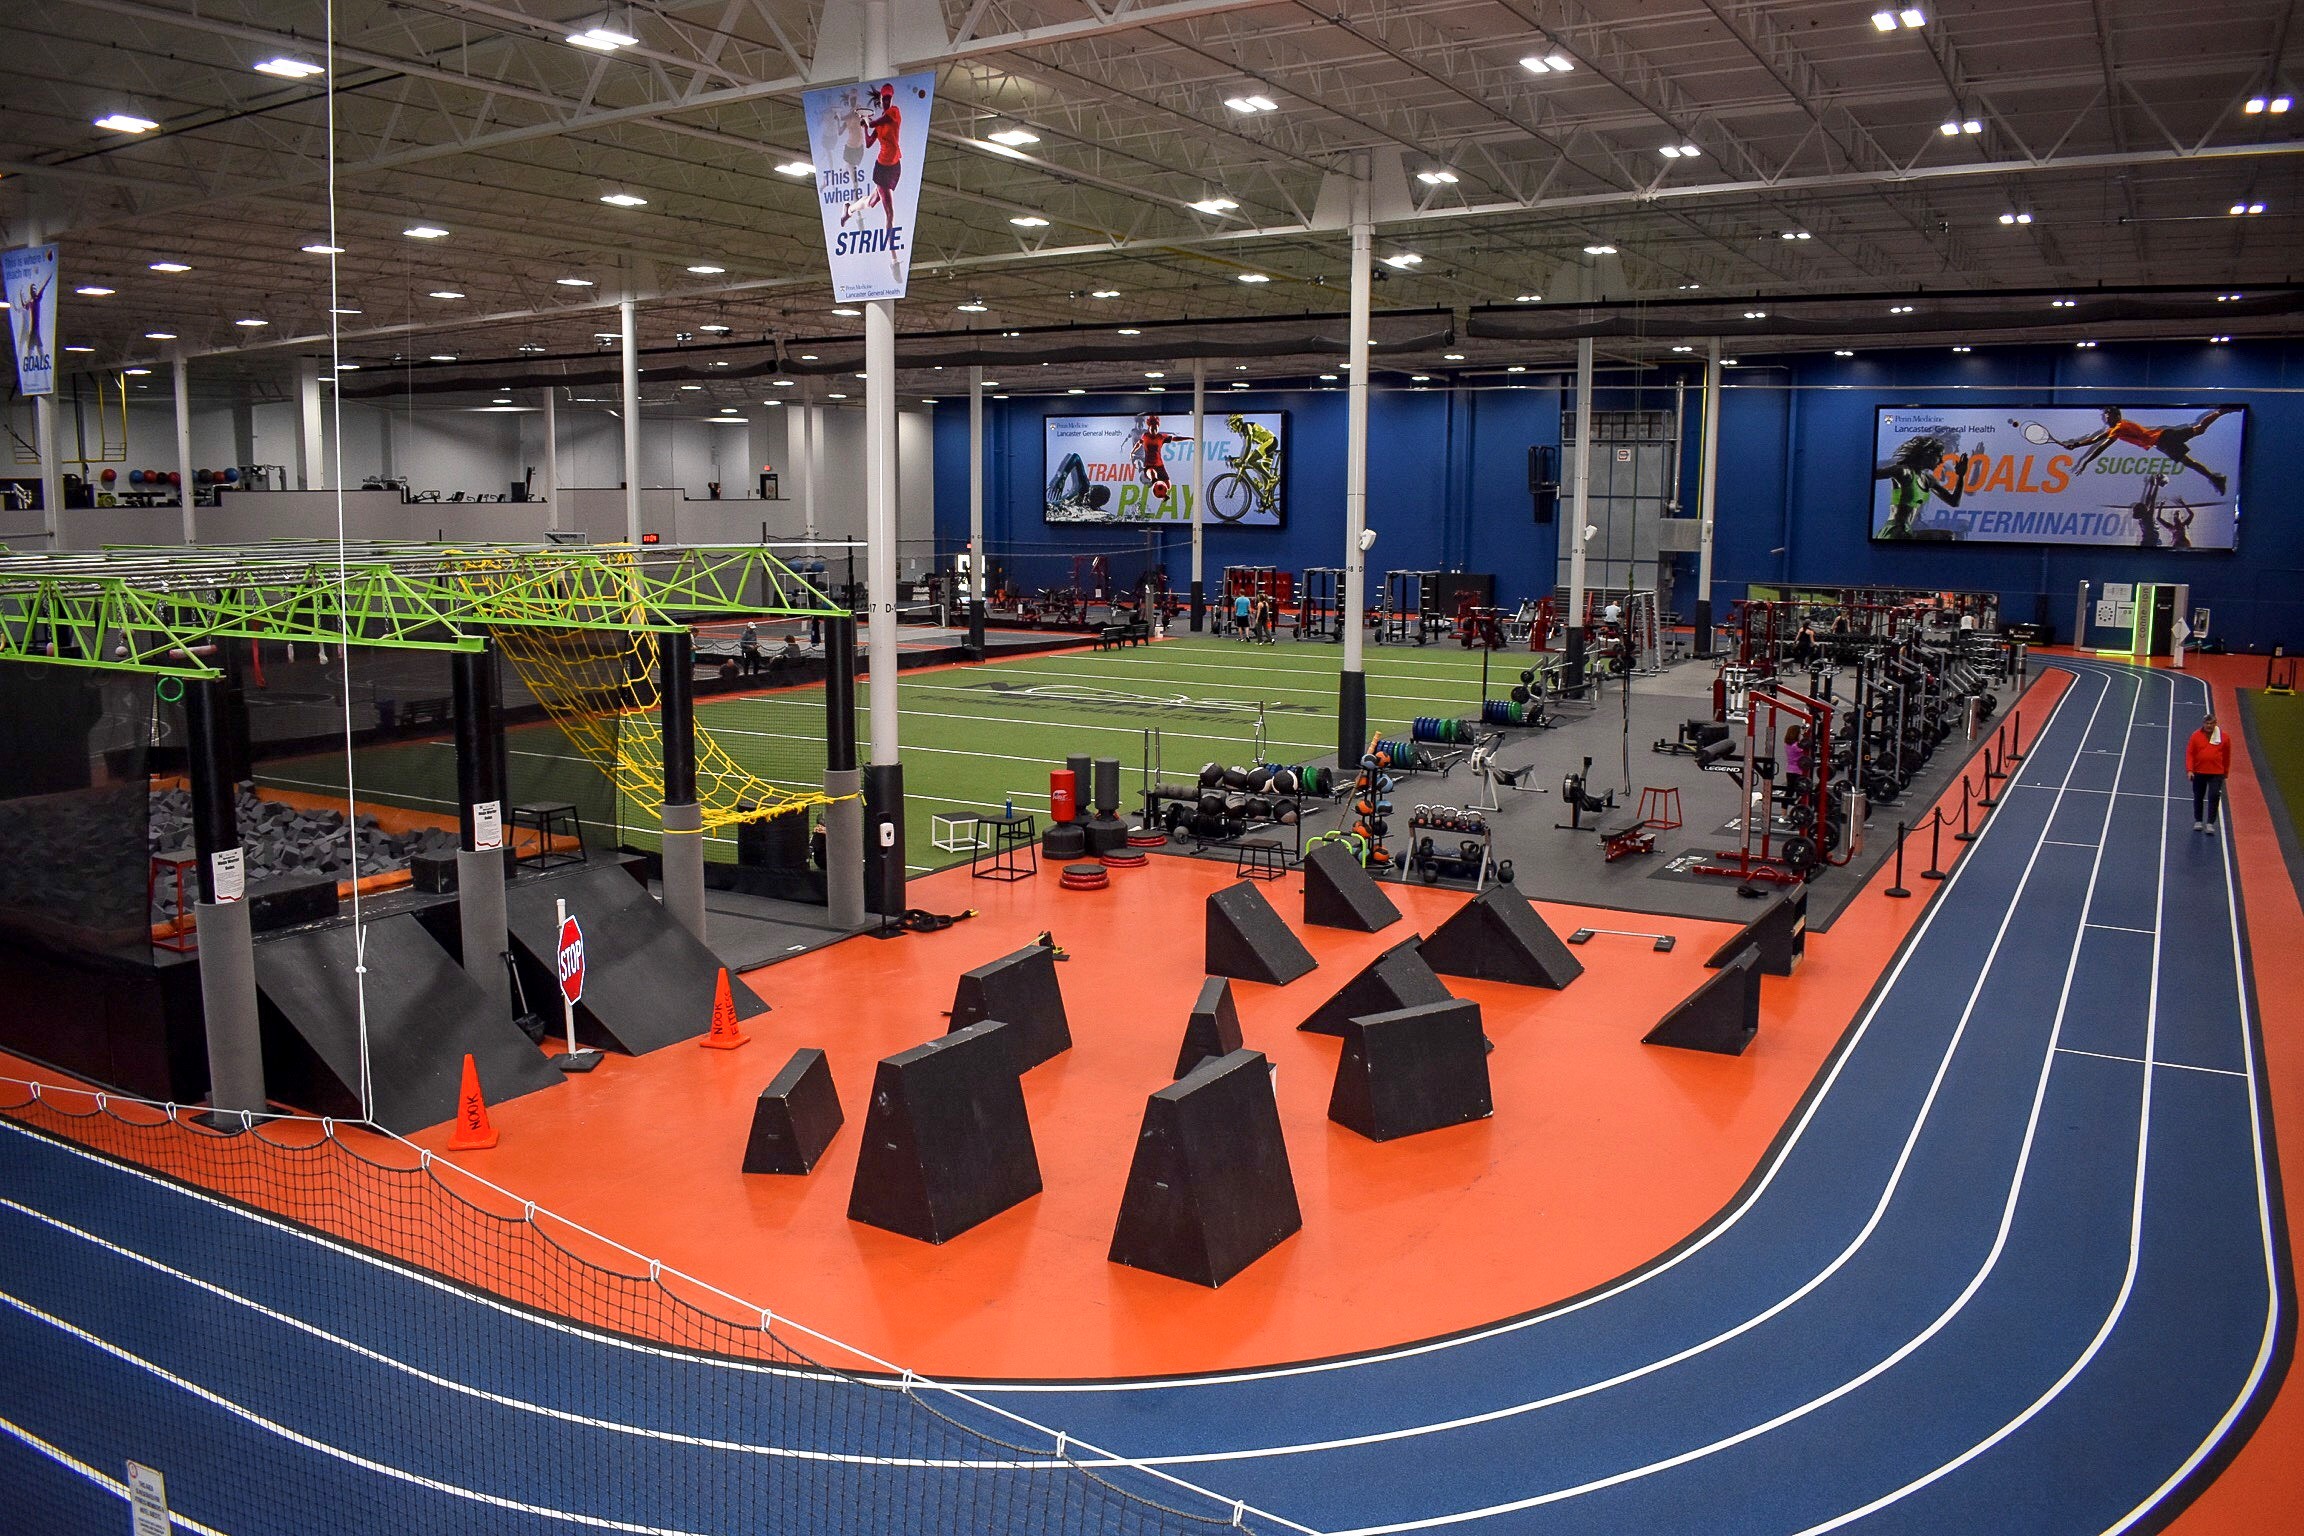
(868, 142)
(29, 275)
(2119, 591)
(488, 825)
(2114, 615)
(147, 1501)
(229, 871)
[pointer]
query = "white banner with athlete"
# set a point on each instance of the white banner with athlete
(867, 142)
(29, 276)
(2143, 477)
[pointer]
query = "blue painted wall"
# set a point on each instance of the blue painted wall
(1448, 478)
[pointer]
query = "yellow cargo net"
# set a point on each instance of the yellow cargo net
(604, 689)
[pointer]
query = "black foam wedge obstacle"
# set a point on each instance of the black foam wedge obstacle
(796, 1117)
(1214, 1028)
(1397, 978)
(946, 1141)
(1338, 893)
(1780, 932)
(1018, 989)
(1412, 1070)
(1248, 942)
(1498, 936)
(1722, 1015)
(1209, 1190)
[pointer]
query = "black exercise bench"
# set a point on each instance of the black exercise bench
(1134, 632)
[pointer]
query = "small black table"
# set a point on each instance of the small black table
(1007, 847)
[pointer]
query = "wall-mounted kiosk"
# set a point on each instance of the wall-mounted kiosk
(2133, 620)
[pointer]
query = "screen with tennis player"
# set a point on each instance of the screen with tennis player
(2144, 476)
(1139, 469)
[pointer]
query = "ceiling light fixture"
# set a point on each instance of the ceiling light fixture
(623, 200)
(714, 330)
(137, 373)
(847, 312)
(1953, 128)
(1963, 349)
(1528, 298)
(1028, 221)
(973, 307)
(1842, 352)
(93, 291)
(796, 168)
(443, 293)
(1910, 17)
(251, 323)
(289, 69)
(706, 269)
(2230, 298)
(1438, 178)
(442, 357)
(322, 248)
(603, 37)
(1599, 250)
(1014, 138)
(1249, 106)
(2085, 346)
(1129, 330)
(1451, 357)
(76, 347)
(1899, 309)
(170, 266)
(1254, 277)
(1680, 152)
(2026, 218)
(531, 346)
(343, 311)
(1105, 293)
(159, 335)
(2261, 104)
(1548, 64)
(2237, 210)
(2215, 340)
(1755, 314)
(1517, 368)
(1239, 383)
(425, 232)
(1683, 348)
(1403, 261)
(1154, 373)
(572, 282)
(1214, 205)
(1796, 234)
(126, 122)
(2063, 303)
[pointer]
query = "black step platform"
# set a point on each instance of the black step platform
(1499, 936)
(1248, 941)
(1412, 1070)
(1018, 989)
(1397, 978)
(1209, 1190)
(647, 982)
(947, 1143)
(1338, 893)
(424, 1016)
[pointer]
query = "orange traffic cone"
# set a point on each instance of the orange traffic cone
(473, 1131)
(725, 1036)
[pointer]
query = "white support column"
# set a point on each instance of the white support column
(552, 457)
(183, 373)
(1352, 685)
(631, 398)
(884, 776)
(1577, 523)
(311, 458)
(806, 406)
(51, 467)
(1707, 497)
(1199, 490)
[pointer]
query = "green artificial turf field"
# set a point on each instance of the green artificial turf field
(975, 737)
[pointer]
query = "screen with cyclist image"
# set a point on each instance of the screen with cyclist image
(2161, 477)
(1139, 469)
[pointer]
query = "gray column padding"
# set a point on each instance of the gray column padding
(844, 846)
(480, 918)
(684, 867)
(228, 1004)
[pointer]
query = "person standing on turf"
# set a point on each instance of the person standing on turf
(1243, 614)
(750, 646)
(2207, 757)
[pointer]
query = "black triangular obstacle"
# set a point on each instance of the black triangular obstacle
(1214, 1029)
(1248, 941)
(1018, 989)
(1412, 1070)
(1498, 936)
(1210, 1190)
(1722, 1015)
(1339, 894)
(1397, 978)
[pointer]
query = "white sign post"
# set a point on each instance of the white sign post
(570, 957)
(867, 142)
(147, 1501)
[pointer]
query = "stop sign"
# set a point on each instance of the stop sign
(571, 960)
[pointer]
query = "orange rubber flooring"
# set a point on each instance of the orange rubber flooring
(1601, 1154)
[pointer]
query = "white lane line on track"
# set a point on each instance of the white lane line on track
(520, 1405)
(1941, 1321)
(2264, 1346)
(2138, 1061)
(2095, 1344)
(1751, 1197)
(2117, 928)
(103, 1480)
(335, 1453)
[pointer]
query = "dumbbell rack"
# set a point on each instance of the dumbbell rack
(1464, 825)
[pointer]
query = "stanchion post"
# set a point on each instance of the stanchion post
(1989, 799)
(1966, 834)
(1897, 890)
(2016, 745)
(1935, 869)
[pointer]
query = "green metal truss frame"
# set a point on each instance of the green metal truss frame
(150, 610)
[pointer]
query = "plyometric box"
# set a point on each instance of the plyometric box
(1722, 1015)
(1338, 893)
(796, 1118)
(1018, 989)
(1412, 1070)
(1397, 978)
(1248, 941)
(1498, 936)
(1779, 932)
(1214, 1028)
(1210, 1190)
(946, 1141)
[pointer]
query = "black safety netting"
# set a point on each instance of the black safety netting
(73, 787)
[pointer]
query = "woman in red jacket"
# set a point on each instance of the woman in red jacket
(2207, 757)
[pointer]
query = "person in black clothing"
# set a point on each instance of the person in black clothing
(1804, 647)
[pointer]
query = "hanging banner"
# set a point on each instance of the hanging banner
(29, 275)
(867, 142)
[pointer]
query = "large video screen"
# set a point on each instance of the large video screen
(2142, 477)
(1138, 469)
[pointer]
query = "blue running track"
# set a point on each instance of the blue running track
(2016, 1265)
